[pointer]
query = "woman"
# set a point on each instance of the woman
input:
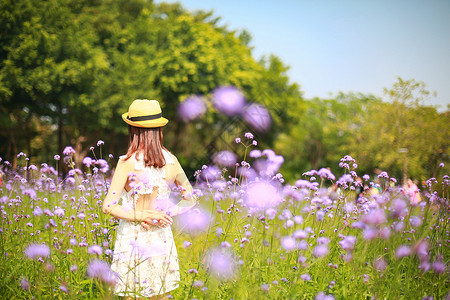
(145, 257)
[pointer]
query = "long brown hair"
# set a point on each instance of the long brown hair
(149, 143)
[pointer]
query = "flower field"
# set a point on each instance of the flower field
(253, 236)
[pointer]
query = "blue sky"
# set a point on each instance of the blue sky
(347, 45)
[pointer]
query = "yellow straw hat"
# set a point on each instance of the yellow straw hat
(144, 113)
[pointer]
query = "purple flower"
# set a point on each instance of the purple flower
(198, 284)
(59, 212)
(228, 100)
(441, 165)
(325, 173)
(237, 140)
(255, 153)
(345, 180)
(348, 243)
(221, 263)
(30, 192)
(300, 234)
(249, 135)
(64, 288)
(320, 250)
(34, 251)
(25, 284)
(225, 158)
(288, 243)
(87, 161)
(438, 267)
(37, 211)
(100, 142)
(375, 217)
(73, 268)
(305, 277)
(100, 270)
(422, 249)
(403, 251)
(194, 221)
(186, 244)
(383, 175)
(68, 151)
(56, 157)
(366, 177)
(380, 264)
(104, 167)
(95, 249)
(399, 208)
(415, 221)
(261, 195)
(323, 296)
(257, 116)
(192, 108)
(323, 240)
(211, 173)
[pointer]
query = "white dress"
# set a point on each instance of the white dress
(145, 260)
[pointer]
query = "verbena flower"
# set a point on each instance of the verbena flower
(403, 251)
(261, 195)
(249, 135)
(87, 161)
(192, 108)
(35, 251)
(25, 284)
(221, 263)
(320, 250)
(348, 243)
(225, 158)
(95, 249)
(100, 270)
(68, 151)
(228, 100)
(258, 117)
(326, 173)
(288, 243)
(194, 221)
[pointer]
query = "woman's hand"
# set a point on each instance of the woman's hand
(156, 217)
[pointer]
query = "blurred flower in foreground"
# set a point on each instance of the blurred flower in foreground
(194, 221)
(228, 100)
(34, 251)
(261, 195)
(221, 263)
(25, 284)
(225, 158)
(323, 296)
(192, 108)
(100, 270)
(257, 116)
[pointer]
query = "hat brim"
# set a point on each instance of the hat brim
(160, 122)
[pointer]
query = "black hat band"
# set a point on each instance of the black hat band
(145, 118)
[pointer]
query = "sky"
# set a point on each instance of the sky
(347, 45)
